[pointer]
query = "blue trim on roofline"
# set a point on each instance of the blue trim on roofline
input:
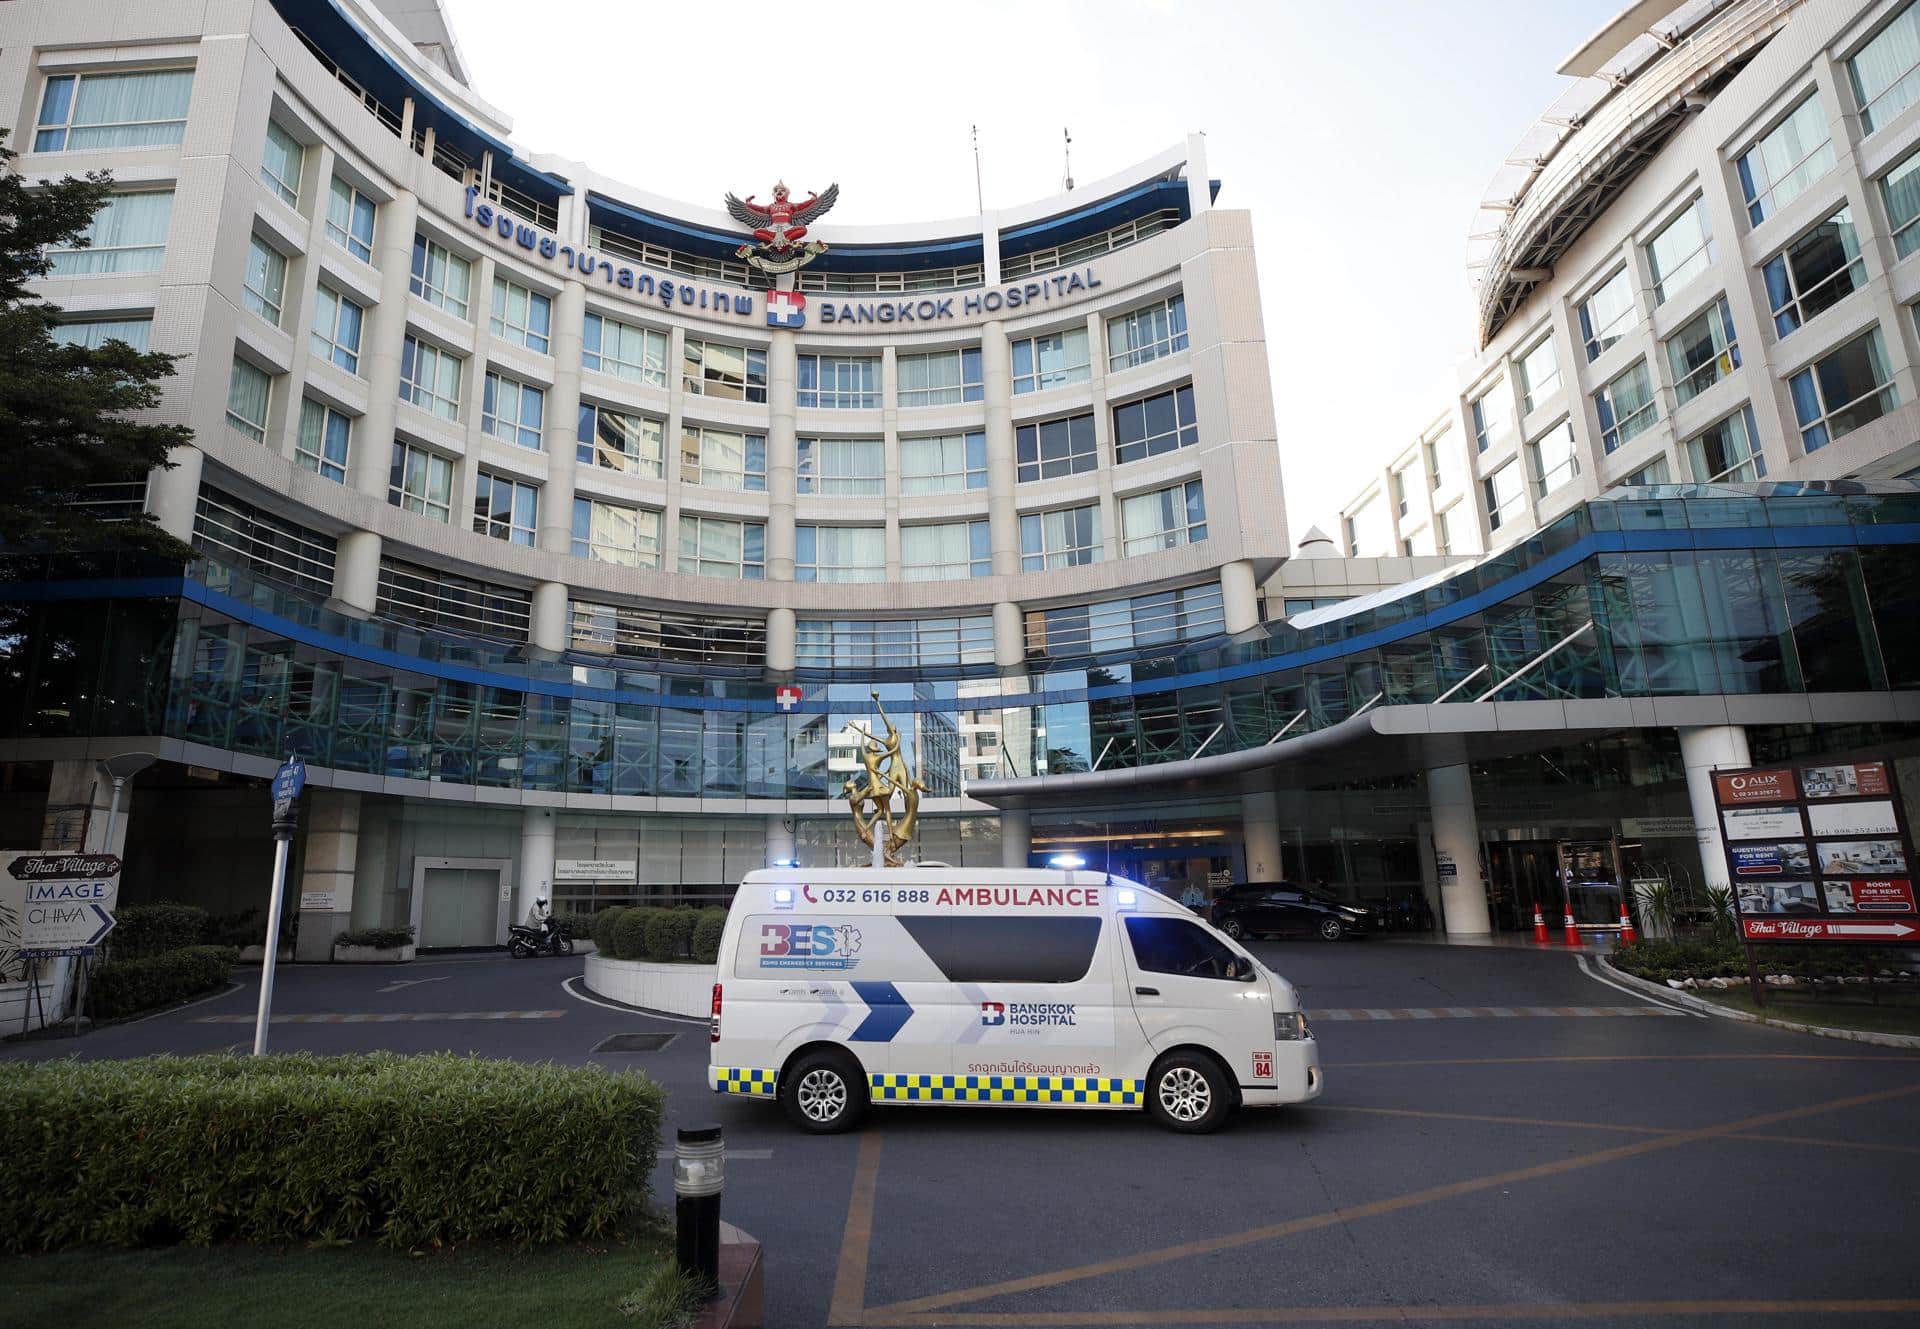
(1095, 217)
(693, 238)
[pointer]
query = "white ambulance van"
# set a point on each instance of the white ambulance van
(840, 988)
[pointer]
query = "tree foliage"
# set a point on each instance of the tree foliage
(70, 417)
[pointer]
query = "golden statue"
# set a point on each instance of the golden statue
(883, 773)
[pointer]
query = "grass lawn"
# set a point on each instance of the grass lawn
(360, 1286)
(1886, 1018)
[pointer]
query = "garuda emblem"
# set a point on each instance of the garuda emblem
(780, 228)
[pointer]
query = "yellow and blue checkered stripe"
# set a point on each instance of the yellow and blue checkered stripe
(735, 1080)
(1088, 1089)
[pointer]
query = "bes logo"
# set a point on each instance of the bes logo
(809, 946)
(993, 1012)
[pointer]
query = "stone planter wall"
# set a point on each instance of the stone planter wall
(372, 954)
(675, 989)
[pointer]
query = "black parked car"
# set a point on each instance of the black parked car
(1281, 908)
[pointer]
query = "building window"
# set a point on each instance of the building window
(280, 163)
(1164, 519)
(943, 463)
(444, 601)
(248, 392)
(128, 234)
(336, 328)
(894, 643)
(1506, 493)
(1682, 251)
(350, 220)
(713, 369)
(1886, 72)
(616, 441)
(1368, 529)
(842, 466)
(625, 630)
(722, 459)
(719, 547)
(1798, 151)
(1492, 413)
(511, 411)
(1397, 481)
(1063, 538)
(1438, 449)
(840, 382)
(1729, 451)
(615, 533)
(430, 378)
(265, 284)
(1815, 272)
(1703, 352)
(1607, 315)
(88, 112)
(1653, 473)
(1626, 406)
(1539, 372)
(940, 378)
(1900, 188)
(441, 277)
(946, 551)
(94, 333)
(1554, 458)
(1156, 619)
(324, 438)
(839, 553)
(1443, 532)
(1052, 361)
(1850, 387)
(1148, 334)
(1056, 447)
(521, 316)
(1153, 425)
(421, 482)
(638, 355)
(506, 509)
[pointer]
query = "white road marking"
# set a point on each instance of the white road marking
(399, 983)
(568, 988)
(1591, 970)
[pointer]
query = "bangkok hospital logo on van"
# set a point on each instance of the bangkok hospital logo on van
(809, 946)
(1027, 1013)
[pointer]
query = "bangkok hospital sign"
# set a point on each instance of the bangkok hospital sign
(793, 310)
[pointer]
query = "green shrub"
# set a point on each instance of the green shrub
(385, 939)
(630, 934)
(410, 1151)
(246, 928)
(604, 923)
(123, 987)
(577, 925)
(669, 932)
(706, 934)
(154, 929)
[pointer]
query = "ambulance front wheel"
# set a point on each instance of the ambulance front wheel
(1186, 1092)
(824, 1093)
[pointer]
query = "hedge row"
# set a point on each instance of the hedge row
(144, 930)
(1659, 960)
(409, 1151)
(122, 987)
(661, 935)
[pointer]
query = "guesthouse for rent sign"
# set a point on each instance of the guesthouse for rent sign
(1819, 853)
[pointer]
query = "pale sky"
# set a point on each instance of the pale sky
(1359, 135)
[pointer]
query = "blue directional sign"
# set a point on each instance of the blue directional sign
(289, 780)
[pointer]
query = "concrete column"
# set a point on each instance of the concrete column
(1016, 837)
(325, 898)
(386, 331)
(550, 627)
(1003, 514)
(173, 495)
(1009, 635)
(780, 848)
(1239, 595)
(1260, 834)
(79, 798)
(783, 453)
(536, 861)
(356, 570)
(560, 437)
(781, 631)
(1702, 749)
(1456, 850)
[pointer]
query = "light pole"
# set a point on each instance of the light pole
(121, 769)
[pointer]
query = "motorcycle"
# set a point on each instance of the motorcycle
(523, 942)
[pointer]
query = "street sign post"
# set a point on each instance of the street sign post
(288, 781)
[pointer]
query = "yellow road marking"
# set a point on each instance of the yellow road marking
(850, 1278)
(1267, 1315)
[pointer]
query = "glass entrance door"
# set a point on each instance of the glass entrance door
(1591, 871)
(1521, 873)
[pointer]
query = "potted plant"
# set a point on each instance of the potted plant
(374, 946)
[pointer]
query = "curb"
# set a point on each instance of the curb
(1701, 1004)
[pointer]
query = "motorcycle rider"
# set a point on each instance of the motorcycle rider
(540, 919)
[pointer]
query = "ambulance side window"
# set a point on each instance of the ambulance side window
(1176, 946)
(993, 949)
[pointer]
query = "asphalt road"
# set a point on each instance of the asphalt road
(1465, 1167)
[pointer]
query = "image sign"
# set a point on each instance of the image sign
(1762, 823)
(1864, 780)
(1766, 786)
(57, 903)
(1853, 818)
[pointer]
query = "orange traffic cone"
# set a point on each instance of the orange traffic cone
(1573, 933)
(1627, 935)
(1540, 936)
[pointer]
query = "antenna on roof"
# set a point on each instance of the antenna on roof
(979, 199)
(1068, 136)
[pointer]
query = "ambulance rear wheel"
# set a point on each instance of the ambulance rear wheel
(1187, 1093)
(824, 1093)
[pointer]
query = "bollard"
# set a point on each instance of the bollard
(699, 1173)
